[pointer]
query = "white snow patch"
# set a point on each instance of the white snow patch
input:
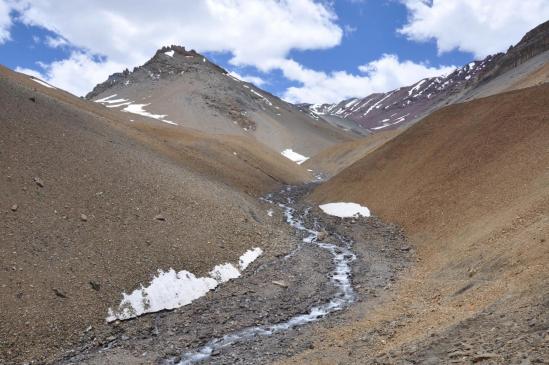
(294, 156)
(267, 101)
(345, 210)
(270, 212)
(171, 289)
(415, 88)
(138, 109)
(224, 272)
(248, 257)
(170, 53)
(43, 83)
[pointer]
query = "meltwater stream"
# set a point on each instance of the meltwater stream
(340, 277)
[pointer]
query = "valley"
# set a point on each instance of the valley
(177, 214)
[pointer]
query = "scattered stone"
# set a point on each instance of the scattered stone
(39, 181)
(484, 356)
(95, 286)
(33, 99)
(280, 283)
(59, 293)
(405, 248)
(14, 208)
(159, 217)
(83, 217)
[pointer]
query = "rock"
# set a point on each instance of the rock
(14, 208)
(83, 217)
(280, 283)
(484, 356)
(405, 248)
(95, 286)
(33, 99)
(38, 181)
(159, 217)
(59, 293)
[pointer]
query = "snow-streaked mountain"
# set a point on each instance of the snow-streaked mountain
(383, 111)
(185, 89)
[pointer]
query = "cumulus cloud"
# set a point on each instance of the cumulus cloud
(257, 81)
(476, 26)
(5, 21)
(381, 75)
(254, 32)
(77, 74)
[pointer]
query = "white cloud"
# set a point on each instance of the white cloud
(481, 27)
(56, 42)
(255, 32)
(5, 21)
(77, 74)
(257, 81)
(381, 75)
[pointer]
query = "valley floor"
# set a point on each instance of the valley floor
(270, 292)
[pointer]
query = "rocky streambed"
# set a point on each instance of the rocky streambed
(272, 310)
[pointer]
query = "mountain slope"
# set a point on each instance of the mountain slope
(94, 205)
(469, 183)
(182, 87)
(521, 66)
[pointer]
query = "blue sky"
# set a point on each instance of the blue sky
(301, 50)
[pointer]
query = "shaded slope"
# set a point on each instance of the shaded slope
(80, 192)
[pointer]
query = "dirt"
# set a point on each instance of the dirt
(63, 159)
(254, 299)
(469, 186)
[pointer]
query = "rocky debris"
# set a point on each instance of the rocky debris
(60, 293)
(33, 99)
(159, 217)
(247, 302)
(280, 283)
(83, 217)
(38, 181)
(14, 207)
(95, 285)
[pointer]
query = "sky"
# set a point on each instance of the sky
(315, 51)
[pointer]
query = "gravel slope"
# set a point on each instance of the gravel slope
(92, 206)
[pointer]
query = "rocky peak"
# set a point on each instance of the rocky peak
(167, 62)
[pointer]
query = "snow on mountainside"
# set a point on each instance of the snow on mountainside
(382, 111)
(185, 89)
(391, 109)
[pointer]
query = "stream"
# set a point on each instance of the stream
(342, 256)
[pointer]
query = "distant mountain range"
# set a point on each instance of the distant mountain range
(383, 111)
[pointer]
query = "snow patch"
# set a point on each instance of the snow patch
(170, 53)
(345, 210)
(248, 257)
(138, 109)
(294, 156)
(43, 83)
(171, 289)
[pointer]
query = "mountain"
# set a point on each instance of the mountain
(469, 184)
(523, 65)
(184, 88)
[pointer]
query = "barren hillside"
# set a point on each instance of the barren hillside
(93, 206)
(469, 185)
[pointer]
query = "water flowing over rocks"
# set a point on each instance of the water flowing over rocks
(255, 319)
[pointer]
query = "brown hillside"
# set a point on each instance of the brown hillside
(470, 185)
(80, 189)
(337, 157)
